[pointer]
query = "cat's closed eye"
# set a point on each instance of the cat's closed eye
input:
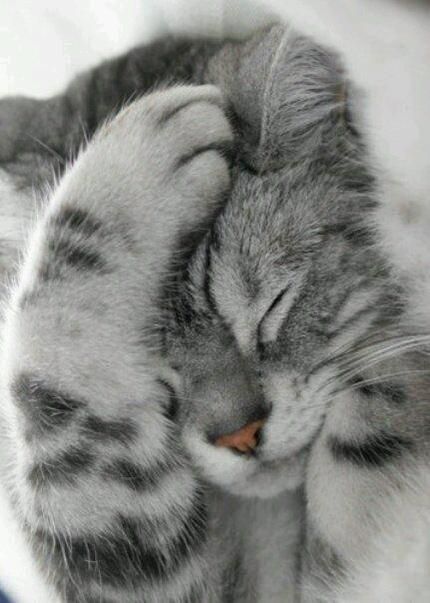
(271, 321)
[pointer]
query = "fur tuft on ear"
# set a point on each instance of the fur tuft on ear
(286, 92)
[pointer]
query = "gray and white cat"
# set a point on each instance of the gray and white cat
(178, 287)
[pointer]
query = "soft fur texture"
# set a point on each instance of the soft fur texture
(148, 318)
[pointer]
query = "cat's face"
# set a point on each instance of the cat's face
(284, 281)
(287, 279)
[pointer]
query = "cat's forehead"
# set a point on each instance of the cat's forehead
(260, 243)
(271, 226)
(272, 233)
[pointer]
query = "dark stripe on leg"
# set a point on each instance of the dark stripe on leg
(77, 256)
(123, 557)
(374, 451)
(77, 219)
(62, 469)
(136, 477)
(46, 408)
(123, 431)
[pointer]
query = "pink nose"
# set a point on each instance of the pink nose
(243, 440)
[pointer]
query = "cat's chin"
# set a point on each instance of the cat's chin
(247, 476)
(271, 479)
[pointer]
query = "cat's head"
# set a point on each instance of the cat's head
(286, 279)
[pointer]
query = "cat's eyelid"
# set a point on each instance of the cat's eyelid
(272, 307)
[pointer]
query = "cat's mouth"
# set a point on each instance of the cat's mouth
(238, 462)
(248, 441)
(268, 478)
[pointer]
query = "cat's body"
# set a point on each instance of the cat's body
(125, 356)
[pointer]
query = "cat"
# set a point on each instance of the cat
(208, 261)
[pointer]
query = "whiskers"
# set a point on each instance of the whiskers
(369, 355)
(48, 148)
(348, 364)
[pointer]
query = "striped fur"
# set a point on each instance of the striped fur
(104, 487)
(150, 316)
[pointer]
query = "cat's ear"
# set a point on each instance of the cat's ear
(286, 91)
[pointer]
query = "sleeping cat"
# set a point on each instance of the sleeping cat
(179, 291)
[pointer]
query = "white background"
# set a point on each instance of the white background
(385, 43)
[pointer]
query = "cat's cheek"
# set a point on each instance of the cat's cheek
(298, 412)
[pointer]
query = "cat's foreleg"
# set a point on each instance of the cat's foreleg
(368, 493)
(102, 486)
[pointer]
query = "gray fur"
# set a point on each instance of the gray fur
(149, 318)
(104, 489)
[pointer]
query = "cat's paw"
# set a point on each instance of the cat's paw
(192, 137)
(174, 145)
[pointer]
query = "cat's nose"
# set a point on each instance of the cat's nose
(244, 440)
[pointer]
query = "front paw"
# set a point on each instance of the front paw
(175, 145)
(193, 138)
